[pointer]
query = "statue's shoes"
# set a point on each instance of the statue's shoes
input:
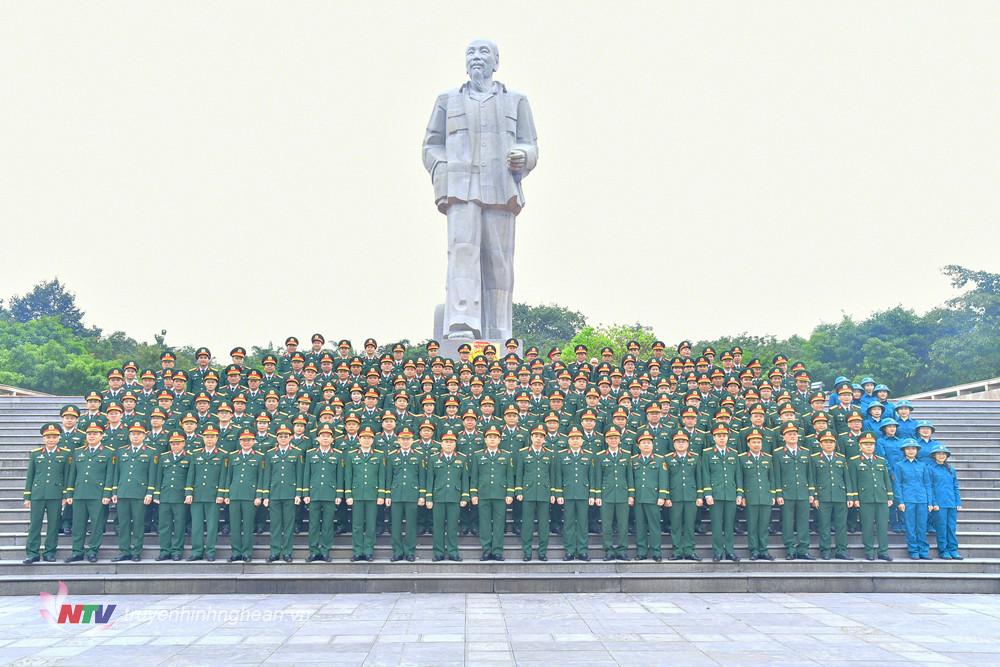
(461, 335)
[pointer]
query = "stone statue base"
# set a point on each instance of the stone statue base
(449, 348)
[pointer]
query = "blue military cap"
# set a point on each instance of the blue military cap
(881, 387)
(925, 422)
(867, 380)
(909, 442)
(904, 404)
(888, 421)
(939, 447)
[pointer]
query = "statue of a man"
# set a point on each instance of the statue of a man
(480, 143)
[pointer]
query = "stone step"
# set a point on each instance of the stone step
(665, 580)
(342, 550)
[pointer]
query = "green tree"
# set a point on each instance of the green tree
(546, 326)
(50, 298)
(615, 336)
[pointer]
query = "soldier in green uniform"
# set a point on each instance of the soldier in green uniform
(207, 478)
(534, 486)
(364, 488)
(169, 493)
(322, 491)
(871, 491)
(649, 475)
(574, 482)
(794, 489)
(132, 491)
(282, 492)
(242, 494)
(831, 497)
(613, 489)
(404, 493)
(45, 494)
(447, 492)
(71, 437)
(491, 487)
(684, 472)
(90, 481)
(722, 478)
(757, 493)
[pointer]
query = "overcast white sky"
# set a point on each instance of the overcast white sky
(237, 172)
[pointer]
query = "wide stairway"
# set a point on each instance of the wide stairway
(970, 428)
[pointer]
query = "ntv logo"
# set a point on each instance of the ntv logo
(57, 611)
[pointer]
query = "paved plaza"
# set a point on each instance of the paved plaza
(599, 629)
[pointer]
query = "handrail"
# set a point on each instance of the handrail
(10, 390)
(958, 391)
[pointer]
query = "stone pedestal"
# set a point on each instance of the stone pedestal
(449, 348)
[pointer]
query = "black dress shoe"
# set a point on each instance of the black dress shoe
(411, 559)
(355, 559)
(886, 558)
(843, 557)
(192, 558)
(498, 557)
(825, 556)
(485, 557)
(567, 557)
(658, 559)
(225, 529)
(733, 557)
(789, 556)
(677, 557)
(271, 559)
(120, 557)
(176, 557)
(542, 557)
(92, 558)
(137, 558)
(395, 558)
(233, 559)
(694, 557)
(527, 557)
(716, 559)
(438, 559)
(248, 559)
(49, 558)
(806, 557)
(753, 556)
(287, 559)
(30, 559)
(162, 557)
(638, 557)
(457, 559)
(583, 557)
(766, 557)
(76, 558)
(608, 557)
(869, 557)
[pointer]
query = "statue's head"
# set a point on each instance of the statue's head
(482, 58)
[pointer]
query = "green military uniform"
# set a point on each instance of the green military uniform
(170, 490)
(364, 485)
(45, 488)
(613, 483)
(447, 485)
(793, 480)
(871, 484)
(323, 484)
(282, 487)
(758, 493)
(491, 482)
(574, 485)
(649, 475)
(405, 485)
(684, 483)
(534, 484)
(90, 482)
(244, 485)
(207, 477)
(832, 488)
(134, 476)
(722, 478)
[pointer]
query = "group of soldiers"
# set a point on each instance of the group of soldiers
(631, 446)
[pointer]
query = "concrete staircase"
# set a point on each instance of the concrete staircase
(970, 428)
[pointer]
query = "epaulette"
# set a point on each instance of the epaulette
(634, 456)
(856, 456)
(523, 448)
(744, 454)
(63, 449)
(603, 451)
(36, 449)
(298, 449)
(815, 454)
